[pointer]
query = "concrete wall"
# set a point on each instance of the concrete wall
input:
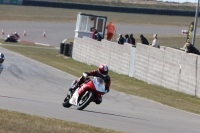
(93, 52)
(167, 67)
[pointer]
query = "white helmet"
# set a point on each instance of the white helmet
(2, 58)
(16, 33)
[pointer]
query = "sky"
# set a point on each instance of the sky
(180, 1)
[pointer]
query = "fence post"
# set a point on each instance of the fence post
(132, 62)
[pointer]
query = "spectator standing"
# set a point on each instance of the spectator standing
(110, 30)
(127, 39)
(93, 34)
(132, 40)
(155, 41)
(121, 39)
(144, 40)
(99, 37)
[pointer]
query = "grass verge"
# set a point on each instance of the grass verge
(15, 122)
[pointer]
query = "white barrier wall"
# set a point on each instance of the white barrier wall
(93, 52)
(167, 67)
(170, 68)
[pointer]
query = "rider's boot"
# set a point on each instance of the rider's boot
(98, 100)
(73, 87)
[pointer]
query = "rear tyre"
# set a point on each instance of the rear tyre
(66, 103)
(85, 101)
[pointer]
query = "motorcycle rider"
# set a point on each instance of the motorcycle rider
(16, 35)
(2, 58)
(101, 72)
(12, 36)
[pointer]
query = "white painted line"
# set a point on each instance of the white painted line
(42, 44)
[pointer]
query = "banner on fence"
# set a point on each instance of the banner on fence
(191, 27)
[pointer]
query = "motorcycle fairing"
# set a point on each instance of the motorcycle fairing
(99, 84)
(85, 86)
(74, 99)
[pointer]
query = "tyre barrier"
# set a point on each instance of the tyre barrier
(72, 5)
(66, 49)
(62, 48)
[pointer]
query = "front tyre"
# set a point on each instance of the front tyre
(85, 100)
(66, 103)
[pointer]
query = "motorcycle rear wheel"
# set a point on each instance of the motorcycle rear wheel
(66, 103)
(82, 103)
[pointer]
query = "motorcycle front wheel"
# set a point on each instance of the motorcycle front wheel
(85, 100)
(66, 103)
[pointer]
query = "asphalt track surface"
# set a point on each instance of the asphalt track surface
(32, 87)
(57, 32)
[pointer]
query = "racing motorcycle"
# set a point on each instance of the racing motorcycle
(11, 38)
(86, 93)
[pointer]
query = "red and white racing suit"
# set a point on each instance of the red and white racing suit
(94, 73)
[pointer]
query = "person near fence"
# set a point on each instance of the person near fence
(110, 30)
(132, 40)
(98, 36)
(144, 40)
(2, 58)
(191, 49)
(155, 41)
(127, 39)
(94, 33)
(121, 39)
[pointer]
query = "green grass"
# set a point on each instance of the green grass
(15, 122)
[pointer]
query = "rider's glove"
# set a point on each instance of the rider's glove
(107, 90)
(85, 75)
